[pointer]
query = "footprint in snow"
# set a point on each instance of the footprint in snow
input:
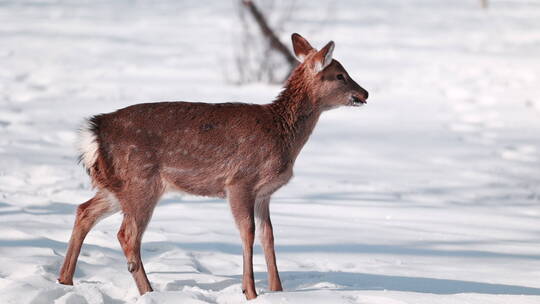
(523, 153)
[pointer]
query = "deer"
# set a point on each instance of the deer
(238, 151)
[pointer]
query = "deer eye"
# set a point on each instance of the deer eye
(340, 77)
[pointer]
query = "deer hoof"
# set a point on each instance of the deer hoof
(132, 266)
(250, 295)
(64, 282)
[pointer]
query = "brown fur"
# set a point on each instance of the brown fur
(244, 152)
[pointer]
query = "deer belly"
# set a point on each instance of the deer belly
(194, 181)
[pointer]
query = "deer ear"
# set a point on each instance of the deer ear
(323, 57)
(301, 47)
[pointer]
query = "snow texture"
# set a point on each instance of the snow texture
(429, 194)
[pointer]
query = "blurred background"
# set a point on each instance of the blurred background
(428, 194)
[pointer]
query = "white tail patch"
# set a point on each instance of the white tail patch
(87, 145)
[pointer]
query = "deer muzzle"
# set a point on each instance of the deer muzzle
(358, 100)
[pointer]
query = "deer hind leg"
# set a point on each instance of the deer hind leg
(137, 213)
(262, 213)
(88, 214)
(242, 207)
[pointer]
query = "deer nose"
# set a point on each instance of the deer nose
(365, 93)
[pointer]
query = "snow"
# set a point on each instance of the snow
(429, 194)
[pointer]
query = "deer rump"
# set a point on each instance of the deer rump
(197, 148)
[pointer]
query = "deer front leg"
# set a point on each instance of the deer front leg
(262, 212)
(242, 207)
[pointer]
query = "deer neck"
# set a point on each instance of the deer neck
(296, 114)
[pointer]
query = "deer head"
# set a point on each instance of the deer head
(328, 82)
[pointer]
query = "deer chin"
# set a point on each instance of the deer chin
(357, 102)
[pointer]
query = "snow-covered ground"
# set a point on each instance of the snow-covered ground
(430, 194)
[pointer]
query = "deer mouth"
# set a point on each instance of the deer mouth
(357, 101)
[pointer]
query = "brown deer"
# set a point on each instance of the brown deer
(242, 152)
